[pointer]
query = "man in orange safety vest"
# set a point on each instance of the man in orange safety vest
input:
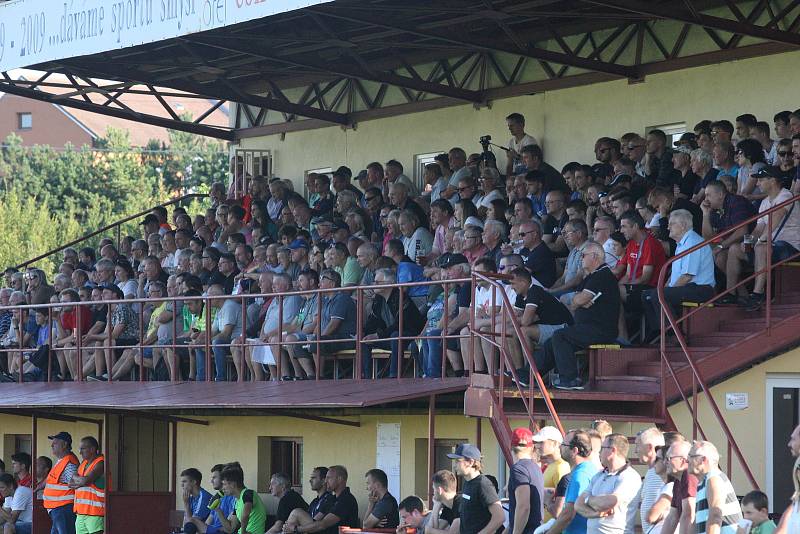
(90, 489)
(58, 497)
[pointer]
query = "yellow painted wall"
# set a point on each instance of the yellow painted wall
(748, 426)
(567, 122)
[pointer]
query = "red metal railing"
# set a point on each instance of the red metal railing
(115, 227)
(508, 318)
(670, 322)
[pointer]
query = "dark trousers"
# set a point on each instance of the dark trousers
(393, 345)
(558, 352)
(674, 297)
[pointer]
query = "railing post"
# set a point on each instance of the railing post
(207, 355)
(52, 344)
(768, 292)
(280, 330)
(107, 356)
(141, 343)
(400, 347)
(175, 365)
(473, 283)
(318, 350)
(240, 378)
(446, 317)
(79, 341)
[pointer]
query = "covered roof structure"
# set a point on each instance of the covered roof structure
(345, 61)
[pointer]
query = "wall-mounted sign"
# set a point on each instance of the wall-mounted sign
(737, 401)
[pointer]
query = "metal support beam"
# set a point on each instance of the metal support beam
(707, 21)
(210, 131)
(431, 444)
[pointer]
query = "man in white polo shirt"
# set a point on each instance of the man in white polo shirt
(605, 503)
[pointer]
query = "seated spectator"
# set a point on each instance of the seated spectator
(723, 210)
(446, 503)
(750, 158)
(436, 322)
(685, 178)
(575, 238)
(785, 235)
(413, 514)
(195, 499)
(417, 240)
(601, 233)
(344, 511)
(542, 316)
(17, 509)
(724, 159)
(691, 278)
(338, 258)
(280, 487)
(408, 271)
(367, 255)
(664, 202)
(399, 197)
(442, 217)
(382, 506)
(226, 325)
(596, 308)
(121, 332)
(494, 234)
(66, 330)
(473, 241)
(554, 222)
(489, 181)
(21, 468)
(249, 511)
(702, 163)
(383, 321)
(539, 259)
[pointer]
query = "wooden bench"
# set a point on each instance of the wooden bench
(377, 354)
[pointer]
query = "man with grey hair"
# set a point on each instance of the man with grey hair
(280, 487)
(366, 255)
(105, 271)
(488, 192)
(5, 315)
(494, 233)
(702, 164)
(646, 442)
(399, 197)
(596, 308)
(718, 508)
(691, 278)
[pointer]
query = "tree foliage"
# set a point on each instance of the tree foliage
(49, 197)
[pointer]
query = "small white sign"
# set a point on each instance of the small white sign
(737, 401)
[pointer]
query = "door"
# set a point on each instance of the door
(783, 415)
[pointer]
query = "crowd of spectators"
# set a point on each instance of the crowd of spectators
(583, 482)
(581, 251)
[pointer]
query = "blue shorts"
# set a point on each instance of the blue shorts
(147, 352)
(546, 331)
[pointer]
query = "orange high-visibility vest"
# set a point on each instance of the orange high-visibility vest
(55, 493)
(90, 500)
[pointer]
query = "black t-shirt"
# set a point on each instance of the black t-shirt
(451, 514)
(553, 226)
(290, 500)
(604, 313)
(100, 314)
(464, 296)
(548, 308)
(563, 484)
(687, 183)
(526, 472)
(346, 509)
(322, 504)
(387, 508)
(477, 496)
(541, 262)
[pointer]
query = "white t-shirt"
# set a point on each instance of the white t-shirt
(484, 301)
(526, 140)
(791, 229)
(486, 200)
(21, 501)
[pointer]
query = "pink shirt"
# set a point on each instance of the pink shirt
(439, 235)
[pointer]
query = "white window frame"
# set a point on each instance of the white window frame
(673, 130)
(321, 170)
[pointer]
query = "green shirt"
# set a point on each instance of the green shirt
(767, 527)
(257, 521)
(350, 273)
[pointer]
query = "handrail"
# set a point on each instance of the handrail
(108, 227)
(667, 316)
(506, 308)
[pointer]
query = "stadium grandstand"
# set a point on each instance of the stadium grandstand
(458, 242)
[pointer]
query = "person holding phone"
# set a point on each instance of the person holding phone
(595, 306)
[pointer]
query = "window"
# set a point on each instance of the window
(24, 121)
(441, 448)
(323, 170)
(14, 443)
(280, 455)
(673, 131)
(420, 160)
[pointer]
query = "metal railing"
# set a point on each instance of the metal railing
(113, 227)
(669, 322)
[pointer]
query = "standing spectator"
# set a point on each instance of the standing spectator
(519, 140)
(344, 511)
(280, 487)
(549, 441)
(16, 513)
(790, 520)
(382, 506)
(195, 498)
(577, 450)
(691, 278)
(525, 485)
(481, 510)
(58, 496)
(684, 491)
(647, 441)
(718, 507)
(755, 508)
(605, 503)
(89, 484)
(596, 308)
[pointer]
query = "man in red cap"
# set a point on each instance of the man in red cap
(525, 485)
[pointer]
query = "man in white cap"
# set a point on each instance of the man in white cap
(481, 511)
(549, 441)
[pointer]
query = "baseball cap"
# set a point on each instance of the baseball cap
(362, 175)
(688, 139)
(448, 260)
(549, 432)
(297, 244)
(683, 149)
(521, 437)
(465, 450)
(149, 219)
(63, 436)
(473, 221)
(767, 172)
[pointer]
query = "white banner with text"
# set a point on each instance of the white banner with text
(35, 31)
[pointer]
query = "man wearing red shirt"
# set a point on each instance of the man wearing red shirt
(643, 259)
(21, 467)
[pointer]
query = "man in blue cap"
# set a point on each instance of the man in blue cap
(299, 248)
(481, 511)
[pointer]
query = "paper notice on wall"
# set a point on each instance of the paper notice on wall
(388, 455)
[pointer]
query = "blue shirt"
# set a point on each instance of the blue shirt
(526, 473)
(699, 264)
(198, 505)
(226, 506)
(581, 476)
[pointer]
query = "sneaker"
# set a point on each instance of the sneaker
(730, 298)
(95, 378)
(755, 302)
(571, 385)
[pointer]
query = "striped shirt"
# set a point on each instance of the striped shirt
(651, 491)
(731, 511)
